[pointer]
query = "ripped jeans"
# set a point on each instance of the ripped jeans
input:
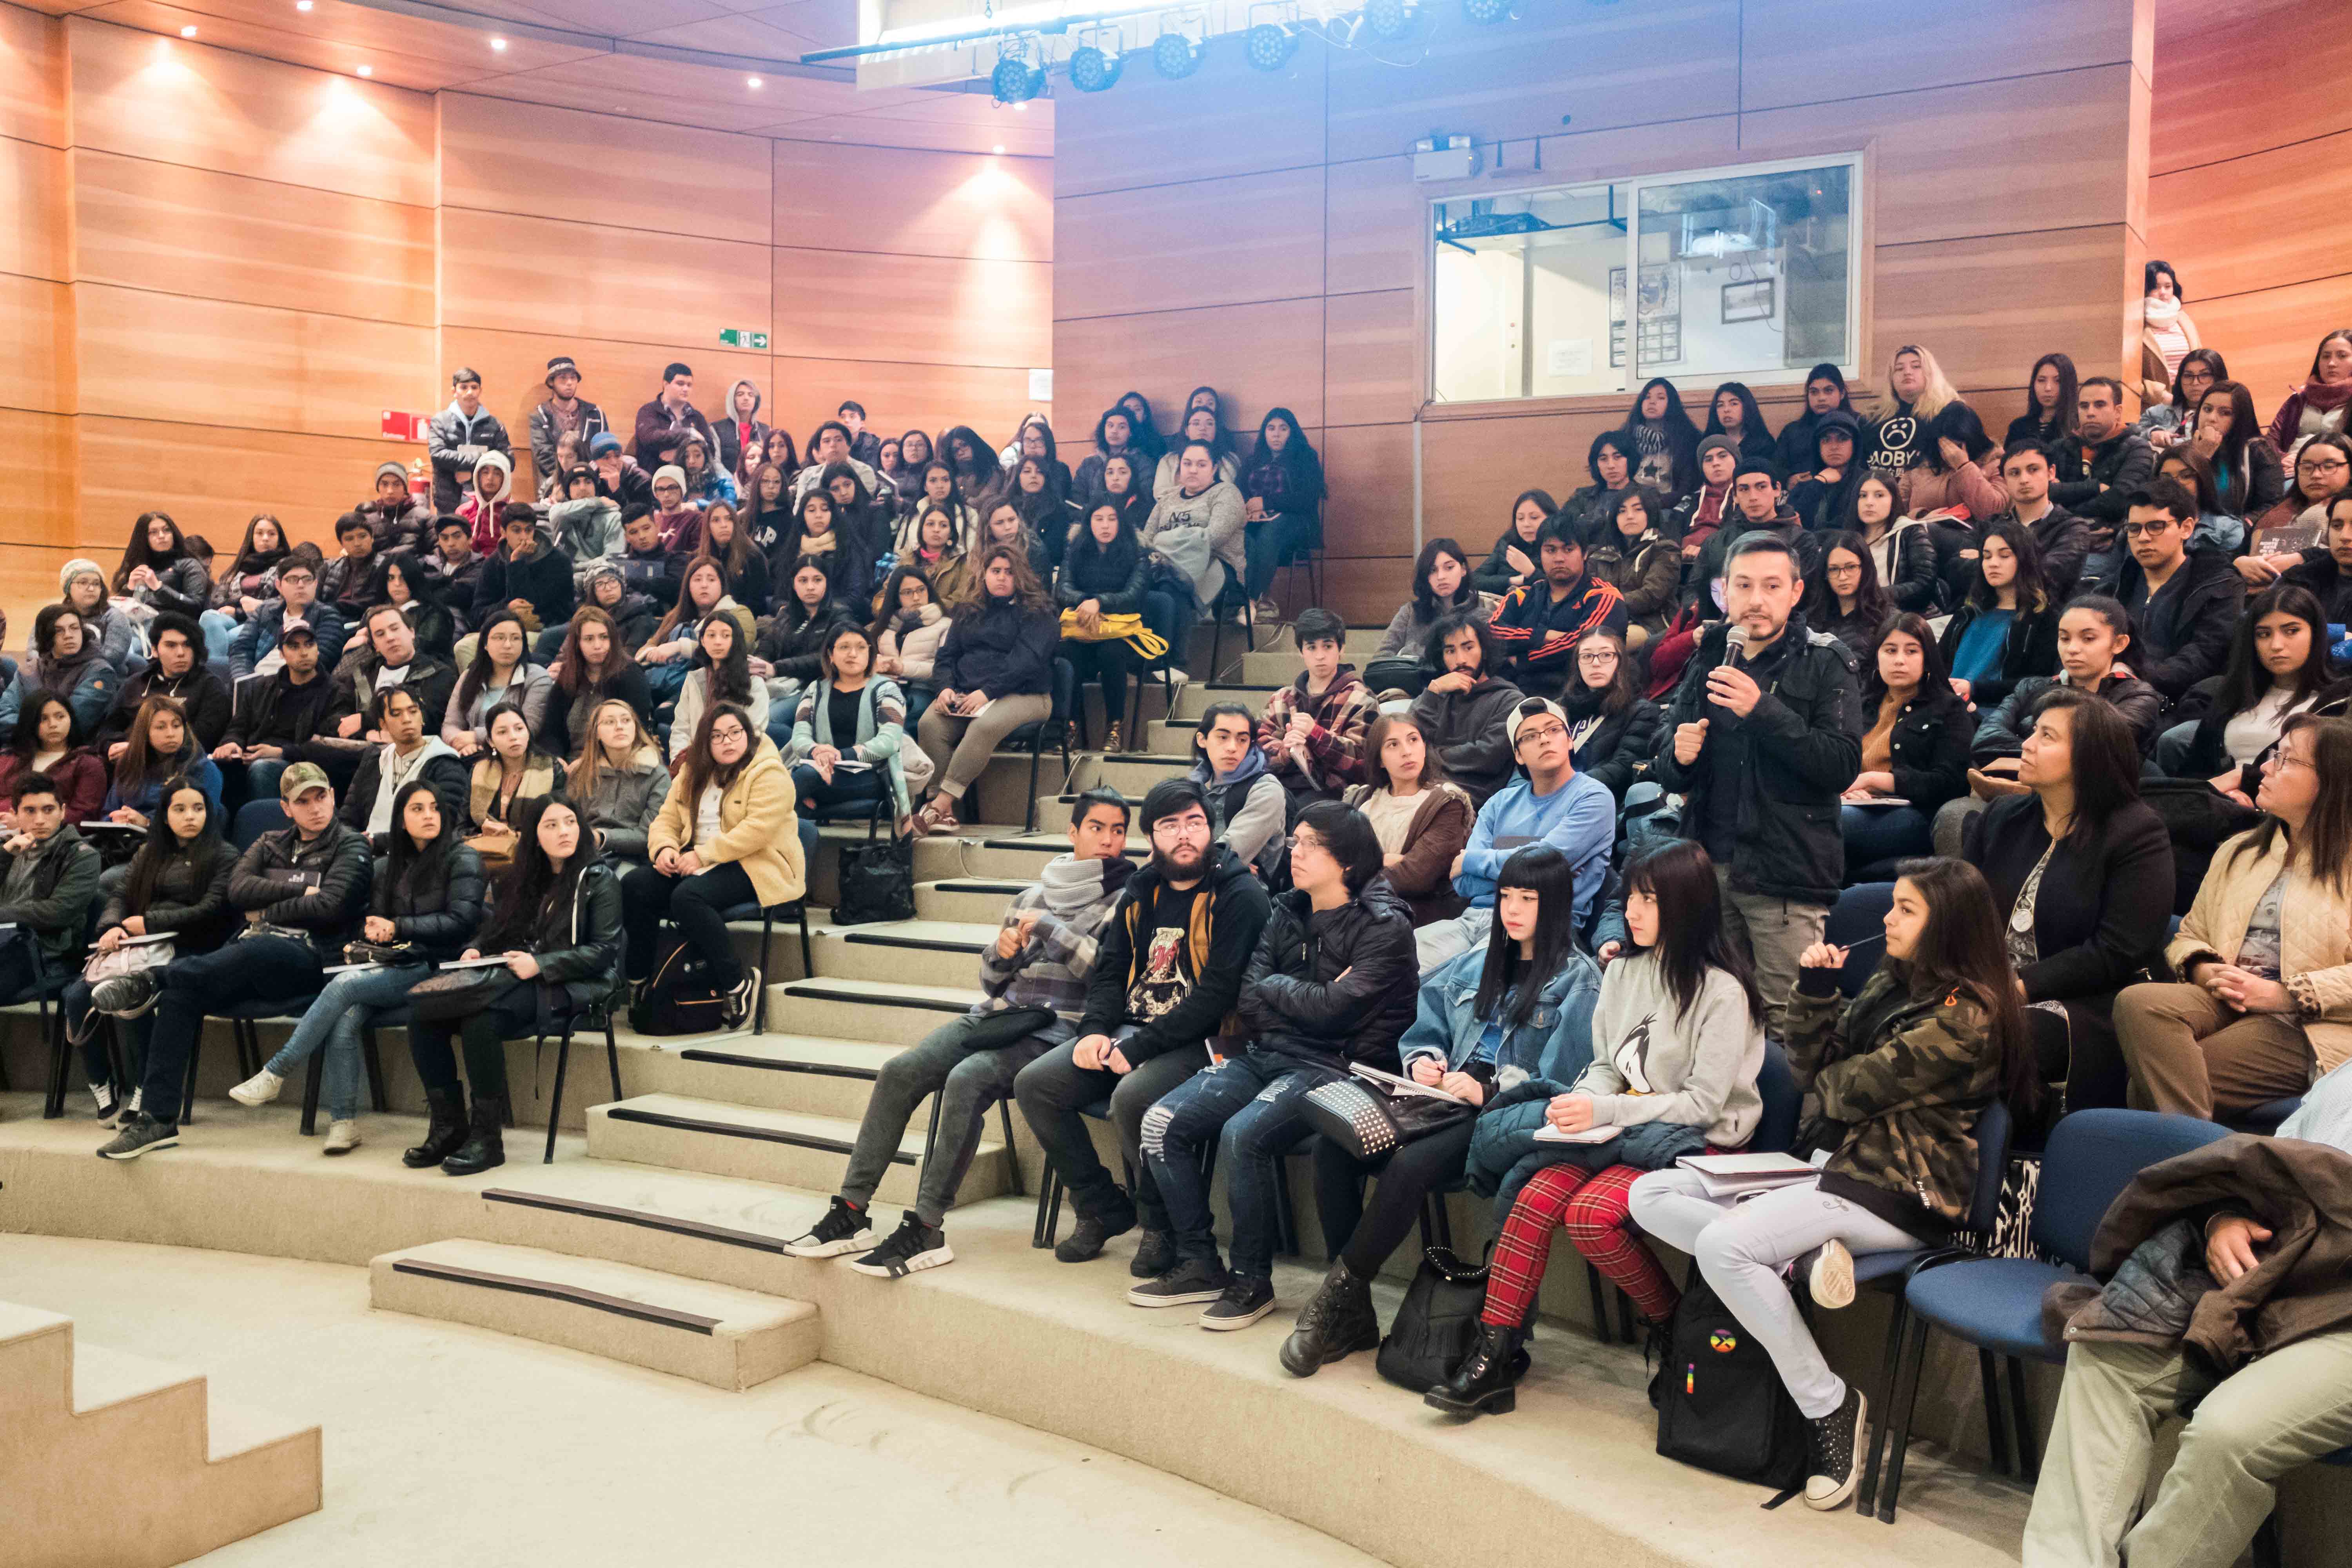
(1251, 1102)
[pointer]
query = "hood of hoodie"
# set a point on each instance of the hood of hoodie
(1252, 765)
(732, 418)
(1342, 679)
(495, 459)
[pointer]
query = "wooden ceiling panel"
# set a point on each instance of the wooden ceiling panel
(662, 91)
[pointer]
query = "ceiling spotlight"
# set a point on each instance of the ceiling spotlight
(301, 5)
(998, 148)
(499, 44)
(188, 32)
(1173, 55)
(367, 70)
(1269, 45)
(1389, 18)
(1092, 71)
(753, 82)
(1484, 12)
(1015, 80)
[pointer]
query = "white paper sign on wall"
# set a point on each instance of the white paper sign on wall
(1568, 356)
(1041, 386)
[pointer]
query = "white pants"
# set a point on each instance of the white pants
(1742, 1248)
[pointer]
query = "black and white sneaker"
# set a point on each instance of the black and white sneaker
(913, 1246)
(140, 1134)
(1245, 1300)
(108, 1102)
(1194, 1281)
(843, 1230)
(1837, 1444)
(126, 995)
(740, 1000)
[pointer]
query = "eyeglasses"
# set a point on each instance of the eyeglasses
(1531, 733)
(1298, 841)
(2321, 464)
(1598, 655)
(1181, 827)
(2143, 530)
(732, 732)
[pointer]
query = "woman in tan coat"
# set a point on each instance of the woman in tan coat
(2266, 951)
(1422, 819)
(726, 835)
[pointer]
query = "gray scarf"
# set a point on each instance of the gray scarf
(1072, 885)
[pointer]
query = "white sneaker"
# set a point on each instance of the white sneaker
(343, 1137)
(260, 1090)
(1830, 1279)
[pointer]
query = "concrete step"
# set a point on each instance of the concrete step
(1277, 668)
(793, 1149)
(892, 1013)
(1362, 644)
(727, 1338)
(968, 899)
(76, 1420)
(1194, 698)
(810, 1074)
(1015, 855)
(917, 951)
(1133, 774)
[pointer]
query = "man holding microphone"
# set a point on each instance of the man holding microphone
(1762, 735)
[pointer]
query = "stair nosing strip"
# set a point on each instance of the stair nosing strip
(693, 1227)
(819, 1070)
(819, 993)
(981, 885)
(618, 1306)
(914, 943)
(758, 1135)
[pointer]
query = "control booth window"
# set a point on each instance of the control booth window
(1746, 274)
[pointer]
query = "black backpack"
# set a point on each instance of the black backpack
(1721, 1404)
(680, 999)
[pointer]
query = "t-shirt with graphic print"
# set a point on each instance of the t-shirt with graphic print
(1165, 976)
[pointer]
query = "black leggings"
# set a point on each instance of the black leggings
(1108, 661)
(697, 905)
(1363, 1235)
(510, 1017)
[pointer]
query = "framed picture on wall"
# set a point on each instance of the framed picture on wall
(1658, 315)
(1749, 302)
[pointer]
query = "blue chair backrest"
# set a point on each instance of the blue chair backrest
(254, 818)
(1859, 914)
(2092, 1157)
(1776, 1129)
(1994, 1129)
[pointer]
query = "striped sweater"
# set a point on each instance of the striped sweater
(1052, 967)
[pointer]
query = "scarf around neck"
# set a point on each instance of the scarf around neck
(1072, 885)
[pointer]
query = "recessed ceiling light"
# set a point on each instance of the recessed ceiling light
(301, 5)
(998, 148)
(498, 44)
(367, 70)
(1023, 104)
(753, 82)
(188, 32)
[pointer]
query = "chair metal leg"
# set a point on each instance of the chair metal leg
(1036, 753)
(117, 1069)
(2021, 1411)
(767, 970)
(311, 1093)
(1286, 1218)
(613, 1055)
(1914, 1351)
(1049, 1209)
(246, 1045)
(55, 1105)
(1996, 1422)
(1626, 1317)
(188, 1084)
(2265, 1548)
(1600, 1305)
(1012, 1153)
(1890, 1365)
(555, 1106)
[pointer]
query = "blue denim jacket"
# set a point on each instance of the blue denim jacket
(1555, 1043)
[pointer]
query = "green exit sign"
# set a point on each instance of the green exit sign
(737, 338)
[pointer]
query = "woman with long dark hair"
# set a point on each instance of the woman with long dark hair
(1666, 439)
(2264, 954)
(853, 715)
(1915, 749)
(1034, 438)
(1519, 1009)
(994, 674)
(177, 885)
(745, 567)
(593, 668)
(73, 664)
(247, 583)
(1949, 478)
(1901, 1074)
(2320, 406)
(836, 534)
(2166, 334)
(416, 595)
(1902, 546)
(501, 675)
(1000, 524)
(555, 917)
(1102, 575)
(1049, 518)
(904, 461)
(2174, 420)
(1632, 553)
(2006, 629)
(510, 770)
(767, 507)
(48, 740)
(971, 461)
(1114, 437)
(1282, 495)
(1441, 586)
(2323, 470)
(159, 571)
(2215, 531)
(423, 907)
(910, 627)
(1732, 413)
(2049, 415)
(790, 647)
(726, 835)
(1515, 558)
(1200, 424)
(1613, 729)
(1123, 476)
(2278, 667)
(701, 595)
(936, 491)
(1849, 602)
(1144, 428)
(1677, 1043)
(722, 672)
(160, 747)
(2247, 478)
(1421, 818)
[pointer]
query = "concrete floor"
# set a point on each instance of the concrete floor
(470, 1444)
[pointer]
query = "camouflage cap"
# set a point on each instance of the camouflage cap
(301, 776)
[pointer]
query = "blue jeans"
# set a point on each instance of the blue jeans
(347, 1006)
(1252, 1103)
(847, 789)
(220, 628)
(1878, 836)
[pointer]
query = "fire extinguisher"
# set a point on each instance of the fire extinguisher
(420, 479)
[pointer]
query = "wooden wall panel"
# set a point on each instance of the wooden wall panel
(1364, 590)
(34, 195)
(1370, 468)
(181, 230)
(154, 356)
(926, 310)
(36, 346)
(1256, 356)
(147, 96)
(212, 478)
(36, 462)
(1989, 307)
(2269, 337)
(2002, 157)
(1223, 120)
(1375, 224)
(2250, 222)
(500, 156)
(583, 280)
(1471, 469)
(1806, 51)
(1371, 361)
(32, 76)
(1126, 246)
(845, 197)
(2229, 90)
(1608, 66)
(899, 396)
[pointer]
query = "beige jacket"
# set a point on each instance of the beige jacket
(2315, 939)
(756, 828)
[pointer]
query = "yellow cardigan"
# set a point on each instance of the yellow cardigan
(2315, 939)
(757, 827)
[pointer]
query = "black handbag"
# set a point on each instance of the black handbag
(1005, 1026)
(878, 880)
(450, 995)
(1370, 1125)
(1437, 1324)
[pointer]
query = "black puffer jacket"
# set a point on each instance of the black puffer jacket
(999, 648)
(196, 912)
(1091, 573)
(1790, 759)
(1332, 987)
(1929, 747)
(578, 944)
(793, 639)
(1619, 749)
(437, 902)
(320, 887)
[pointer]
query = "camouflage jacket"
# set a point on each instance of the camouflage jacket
(1902, 1076)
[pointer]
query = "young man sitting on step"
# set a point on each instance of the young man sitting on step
(1035, 975)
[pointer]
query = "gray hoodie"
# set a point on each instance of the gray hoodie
(1653, 1062)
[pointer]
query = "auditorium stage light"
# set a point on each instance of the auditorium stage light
(1173, 55)
(188, 32)
(1485, 12)
(1092, 71)
(367, 70)
(1388, 18)
(1015, 80)
(1269, 45)
(301, 5)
